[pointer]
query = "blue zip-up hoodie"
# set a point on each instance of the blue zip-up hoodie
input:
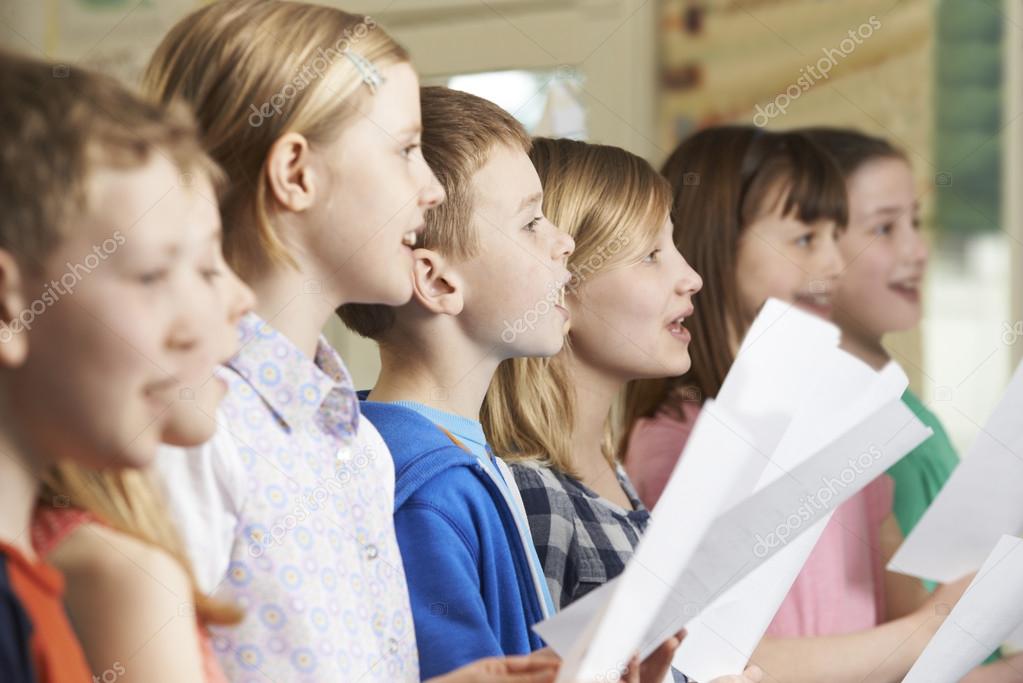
(468, 575)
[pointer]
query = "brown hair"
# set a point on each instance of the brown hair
(59, 124)
(613, 204)
(851, 148)
(724, 179)
(254, 70)
(459, 132)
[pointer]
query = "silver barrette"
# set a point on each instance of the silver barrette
(370, 74)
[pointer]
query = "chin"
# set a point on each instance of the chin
(193, 430)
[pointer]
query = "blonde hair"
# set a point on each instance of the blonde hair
(254, 70)
(128, 501)
(613, 204)
(460, 131)
(60, 124)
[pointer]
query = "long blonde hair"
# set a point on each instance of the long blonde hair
(128, 501)
(613, 204)
(253, 70)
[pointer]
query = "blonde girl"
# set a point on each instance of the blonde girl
(314, 115)
(551, 419)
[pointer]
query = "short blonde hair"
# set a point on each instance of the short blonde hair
(613, 204)
(60, 123)
(254, 70)
(459, 133)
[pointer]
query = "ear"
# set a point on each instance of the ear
(434, 284)
(289, 172)
(13, 336)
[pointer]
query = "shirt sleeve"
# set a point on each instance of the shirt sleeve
(553, 530)
(15, 637)
(444, 588)
(204, 488)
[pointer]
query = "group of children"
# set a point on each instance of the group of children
(193, 489)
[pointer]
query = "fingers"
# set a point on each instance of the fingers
(535, 662)
(753, 674)
(632, 673)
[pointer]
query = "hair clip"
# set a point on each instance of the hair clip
(370, 74)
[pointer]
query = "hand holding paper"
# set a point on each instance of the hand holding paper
(986, 489)
(990, 609)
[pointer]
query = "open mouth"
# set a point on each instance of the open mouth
(411, 238)
(819, 303)
(677, 329)
(907, 289)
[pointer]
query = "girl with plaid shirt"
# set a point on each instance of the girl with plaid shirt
(630, 291)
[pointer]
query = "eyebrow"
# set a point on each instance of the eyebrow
(894, 210)
(534, 198)
(411, 129)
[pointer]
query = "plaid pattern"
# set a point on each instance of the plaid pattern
(583, 540)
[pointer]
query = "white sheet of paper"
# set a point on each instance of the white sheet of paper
(722, 638)
(986, 489)
(700, 485)
(723, 459)
(990, 609)
(728, 550)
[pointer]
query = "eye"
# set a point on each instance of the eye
(531, 225)
(210, 274)
(804, 240)
(652, 256)
(409, 150)
(153, 277)
(885, 229)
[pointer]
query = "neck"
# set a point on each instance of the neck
(283, 301)
(452, 377)
(866, 347)
(19, 489)
(595, 392)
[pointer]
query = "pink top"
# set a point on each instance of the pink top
(840, 588)
(50, 526)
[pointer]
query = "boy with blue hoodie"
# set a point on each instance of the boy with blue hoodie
(488, 281)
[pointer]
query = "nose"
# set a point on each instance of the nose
(432, 193)
(564, 245)
(833, 263)
(916, 248)
(185, 334)
(690, 283)
(242, 300)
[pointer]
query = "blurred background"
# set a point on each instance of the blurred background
(940, 78)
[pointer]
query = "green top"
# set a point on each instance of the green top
(921, 474)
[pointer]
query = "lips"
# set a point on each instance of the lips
(675, 326)
(817, 303)
(411, 238)
(907, 289)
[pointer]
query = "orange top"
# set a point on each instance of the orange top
(52, 525)
(55, 651)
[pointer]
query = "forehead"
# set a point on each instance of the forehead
(503, 182)
(152, 205)
(394, 108)
(881, 181)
